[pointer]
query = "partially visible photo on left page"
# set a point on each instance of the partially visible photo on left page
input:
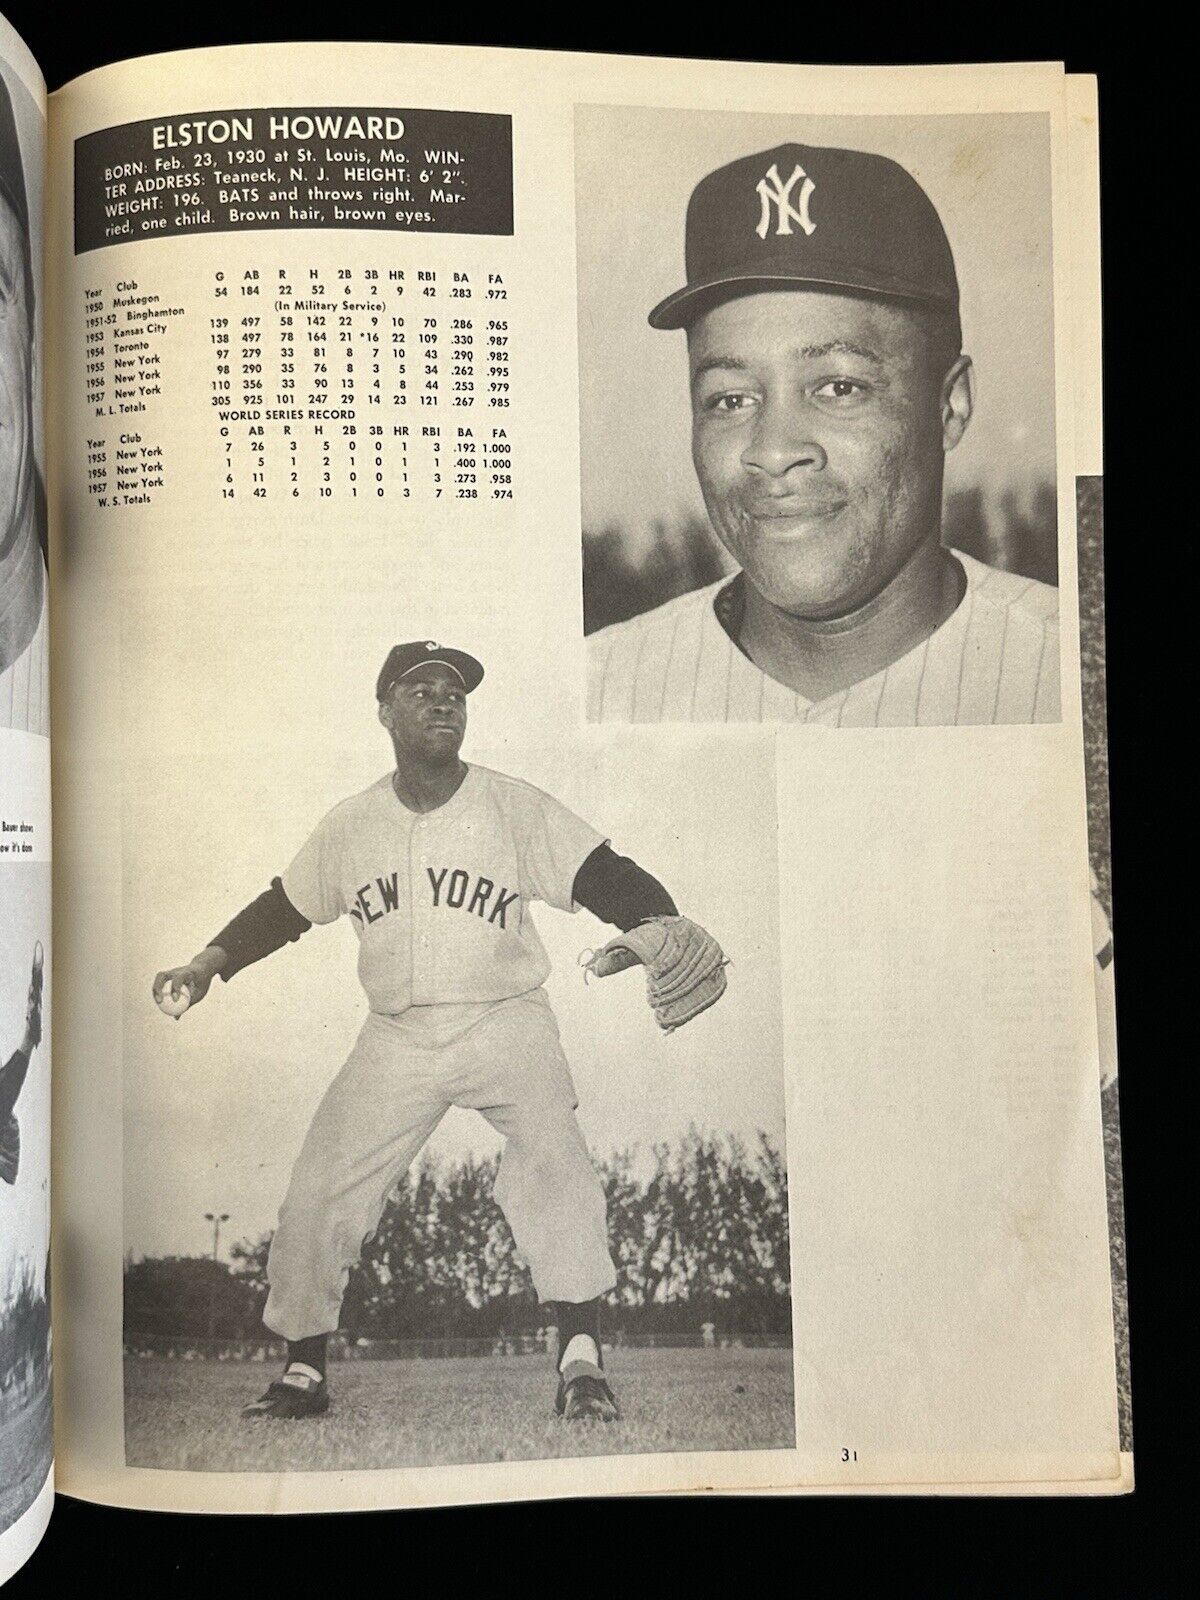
(26, 1433)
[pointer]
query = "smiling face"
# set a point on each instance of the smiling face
(426, 714)
(819, 427)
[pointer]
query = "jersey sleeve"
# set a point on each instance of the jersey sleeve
(311, 881)
(557, 844)
(615, 889)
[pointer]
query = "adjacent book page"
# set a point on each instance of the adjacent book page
(1083, 144)
(692, 446)
(26, 1436)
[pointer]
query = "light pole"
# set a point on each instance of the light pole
(216, 1218)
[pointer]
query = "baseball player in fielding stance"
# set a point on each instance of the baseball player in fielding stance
(14, 1070)
(828, 382)
(437, 866)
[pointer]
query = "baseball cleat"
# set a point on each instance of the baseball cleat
(291, 1397)
(584, 1396)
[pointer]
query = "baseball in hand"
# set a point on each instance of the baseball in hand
(172, 1005)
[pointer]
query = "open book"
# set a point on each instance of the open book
(620, 539)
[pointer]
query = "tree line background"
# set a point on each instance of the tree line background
(699, 1235)
(24, 1329)
(623, 575)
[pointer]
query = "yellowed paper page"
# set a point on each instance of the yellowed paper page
(348, 366)
(26, 1431)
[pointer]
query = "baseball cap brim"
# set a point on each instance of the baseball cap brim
(682, 307)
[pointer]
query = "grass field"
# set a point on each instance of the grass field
(184, 1415)
(26, 1450)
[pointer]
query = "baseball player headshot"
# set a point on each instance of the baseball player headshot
(828, 383)
(437, 866)
(24, 676)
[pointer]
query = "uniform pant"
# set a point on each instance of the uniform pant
(398, 1083)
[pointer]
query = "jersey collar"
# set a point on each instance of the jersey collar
(458, 799)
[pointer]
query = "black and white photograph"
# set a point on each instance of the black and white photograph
(817, 418)
(541, 1209)
(583, 915)
(26, 1442)
(24, 632)
(1089, 494)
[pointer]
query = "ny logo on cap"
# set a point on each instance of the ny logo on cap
(774, 192)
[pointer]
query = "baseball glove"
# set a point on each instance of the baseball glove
(685, 966)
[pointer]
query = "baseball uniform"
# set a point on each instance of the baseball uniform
(452, 966)
(25, 684)
(10, 1146)
(13, 1072)
(994, 660)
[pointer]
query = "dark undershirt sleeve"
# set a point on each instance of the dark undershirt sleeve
(263, 927)
(617, 890)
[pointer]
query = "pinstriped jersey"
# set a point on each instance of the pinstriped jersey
(24, 678)
(25, 685)
(994, 660)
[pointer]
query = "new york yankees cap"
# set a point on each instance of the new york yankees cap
(405, 658)
(822, 218)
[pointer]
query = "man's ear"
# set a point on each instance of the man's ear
(958, 401)
(385, 714)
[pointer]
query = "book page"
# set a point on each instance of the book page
(1082, 146)
(26, 1435)
(513, 498)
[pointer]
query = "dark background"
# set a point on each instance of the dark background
(1136, 1546)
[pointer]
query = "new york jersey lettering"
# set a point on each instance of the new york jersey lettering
(450, 888)
(440, 901)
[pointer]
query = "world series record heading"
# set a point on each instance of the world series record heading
(295, 167)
